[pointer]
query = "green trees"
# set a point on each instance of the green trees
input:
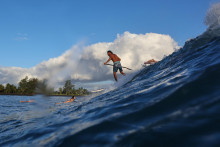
(60, 91)
(2, 88)
(7, 88)
(69, 89)
(81, 91)
(10, 89)
(27, 86)
(34, 86)
(13, 89)
(23, 86)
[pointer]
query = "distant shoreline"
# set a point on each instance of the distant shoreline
(65, 95)
(41, 94)
(17, 94)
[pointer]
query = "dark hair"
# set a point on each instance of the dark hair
(73, 97)
(109, 52)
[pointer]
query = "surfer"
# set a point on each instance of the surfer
(68, 101)
(152, 61)
(117, 65)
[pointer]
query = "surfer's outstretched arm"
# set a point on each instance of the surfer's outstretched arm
(107, 61)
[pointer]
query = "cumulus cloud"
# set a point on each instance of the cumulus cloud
(85, 63)
(133, 49)
(213, 15)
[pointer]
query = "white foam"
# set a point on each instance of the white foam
(125, 79)
(213, 16)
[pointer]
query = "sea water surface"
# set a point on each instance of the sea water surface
(34, 123)
(175, 102)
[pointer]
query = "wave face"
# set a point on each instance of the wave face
(174, 102)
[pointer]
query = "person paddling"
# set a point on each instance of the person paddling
(152, 61)
(68, 101)
(117, 65)
(29, 101)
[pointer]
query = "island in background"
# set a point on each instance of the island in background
(34, 86)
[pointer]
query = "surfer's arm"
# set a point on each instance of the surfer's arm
(107, 61)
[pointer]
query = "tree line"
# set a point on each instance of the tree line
(69, 89)
(34, 86)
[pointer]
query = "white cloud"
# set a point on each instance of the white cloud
(85, 63)
(213, 15)
(22, 37)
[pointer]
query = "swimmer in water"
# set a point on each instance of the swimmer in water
(29, 101)
(152, 61)
(68, 101)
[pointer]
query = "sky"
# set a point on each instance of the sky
(32, 31)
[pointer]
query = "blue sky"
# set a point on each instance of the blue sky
(32, 31)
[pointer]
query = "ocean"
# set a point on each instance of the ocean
(175, 102)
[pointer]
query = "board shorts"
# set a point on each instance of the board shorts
(117, 66)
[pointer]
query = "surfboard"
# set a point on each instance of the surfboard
(99, 90)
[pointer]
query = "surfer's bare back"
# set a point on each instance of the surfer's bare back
(117, 65)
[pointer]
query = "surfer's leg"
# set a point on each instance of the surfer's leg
(115, 69)
(122, 73)
(115, 76)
